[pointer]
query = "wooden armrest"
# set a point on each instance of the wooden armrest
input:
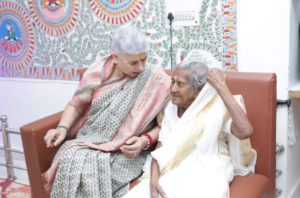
(35, 149)
(249, 186)
(38, 156)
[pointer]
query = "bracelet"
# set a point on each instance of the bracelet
(64, 127)
(149, 142)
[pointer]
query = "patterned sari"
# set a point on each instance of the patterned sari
(112, 113)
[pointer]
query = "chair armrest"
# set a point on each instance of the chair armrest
(38, 156)
(250, 186)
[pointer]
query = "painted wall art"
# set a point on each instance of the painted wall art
(55, 39)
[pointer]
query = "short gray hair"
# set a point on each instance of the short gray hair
(129, 40)
(197, 72)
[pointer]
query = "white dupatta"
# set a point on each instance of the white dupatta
(200, 126)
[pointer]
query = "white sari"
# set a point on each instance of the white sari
(199, 156)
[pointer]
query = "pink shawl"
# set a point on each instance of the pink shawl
(147, 105)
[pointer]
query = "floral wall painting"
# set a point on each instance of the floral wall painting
(16, 37)
(116, 11)
(54, 39)
(55, 17)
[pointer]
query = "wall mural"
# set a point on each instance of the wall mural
(54, 39)
(116, 12)
(55, 17)
(16, 37)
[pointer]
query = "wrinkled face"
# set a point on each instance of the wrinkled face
(181, 90)
(131, 65)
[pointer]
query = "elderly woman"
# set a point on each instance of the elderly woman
(198, 151)
(112, 115)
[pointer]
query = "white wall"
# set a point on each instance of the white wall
(24, 101)
(294, 69)
(263, 38)
(268, 41)
(293, 147)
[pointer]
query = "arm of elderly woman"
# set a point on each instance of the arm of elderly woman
(155, 189)
(55, 136)
(240, 126)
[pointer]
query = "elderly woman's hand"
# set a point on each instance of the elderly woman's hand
(216, 78)
(133, 146)
(157, 191)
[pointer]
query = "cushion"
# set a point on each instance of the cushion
(250, 186)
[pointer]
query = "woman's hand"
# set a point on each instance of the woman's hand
(54, 137)
(216, 78)
(133, 146)
(157, 191)
(240, 126)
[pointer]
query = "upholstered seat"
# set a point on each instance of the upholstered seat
(259, 93)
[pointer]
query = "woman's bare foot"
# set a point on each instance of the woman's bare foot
(46, 181)
(48, 176)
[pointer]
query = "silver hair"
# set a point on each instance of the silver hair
(197, 72)
(129, 40)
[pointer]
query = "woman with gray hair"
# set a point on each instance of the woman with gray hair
(110, 123)
(193, 157)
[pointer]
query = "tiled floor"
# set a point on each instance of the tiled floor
(12, 189)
